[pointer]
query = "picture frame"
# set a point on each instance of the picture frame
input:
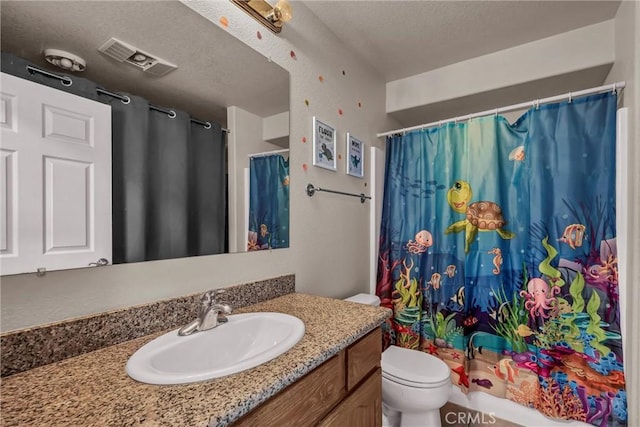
(324, 145)
(355, 156)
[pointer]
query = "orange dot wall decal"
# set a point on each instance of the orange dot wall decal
(259, 35)
(293, 55)
(340, 112)
(321, 79)
(304, 139)
(306, 102)
(304, 167)
(224, 21)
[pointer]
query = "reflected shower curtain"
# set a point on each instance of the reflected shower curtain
(169, 187)
(268, 203)
(498, 255)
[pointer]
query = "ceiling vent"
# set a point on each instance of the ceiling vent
(123, 52)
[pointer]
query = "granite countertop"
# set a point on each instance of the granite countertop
(93, 388)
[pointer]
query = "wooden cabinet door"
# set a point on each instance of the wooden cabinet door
(363, 408)
(304, 402)
(363, 357)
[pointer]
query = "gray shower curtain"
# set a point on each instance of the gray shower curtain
(169, 187)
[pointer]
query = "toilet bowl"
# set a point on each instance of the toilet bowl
(415, 385)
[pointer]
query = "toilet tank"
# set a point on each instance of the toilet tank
(364, 299)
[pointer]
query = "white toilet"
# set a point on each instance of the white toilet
(415, 385)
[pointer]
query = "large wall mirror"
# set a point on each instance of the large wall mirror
(218, 79)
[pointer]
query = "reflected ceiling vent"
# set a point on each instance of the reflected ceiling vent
(123, 52)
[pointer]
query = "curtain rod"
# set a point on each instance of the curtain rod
(67, 81)
(536, 103)
(311, 190)
(267, 153)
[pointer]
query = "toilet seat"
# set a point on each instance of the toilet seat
(413, 384)
(414, 368)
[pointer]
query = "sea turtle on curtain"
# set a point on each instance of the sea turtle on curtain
(483, 215)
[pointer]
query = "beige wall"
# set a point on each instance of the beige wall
(627, 68)
(329, 234)
(577, 50)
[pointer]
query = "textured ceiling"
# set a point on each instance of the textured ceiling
(397, 38)
(404, 38)
(215, 69)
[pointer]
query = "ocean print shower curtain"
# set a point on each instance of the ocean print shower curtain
(498, 255)
(268, 203)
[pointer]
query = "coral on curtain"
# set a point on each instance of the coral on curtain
(268, 203)
(498, 255)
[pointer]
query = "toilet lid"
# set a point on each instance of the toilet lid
(364, 299)
(414, 368)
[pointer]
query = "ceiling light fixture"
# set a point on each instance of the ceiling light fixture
(270, 17)
(65, 60)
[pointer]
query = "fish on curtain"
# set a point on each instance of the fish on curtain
(498, 255)
(268, 203)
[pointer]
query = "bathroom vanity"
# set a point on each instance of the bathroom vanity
(331, 377)
(346, 390)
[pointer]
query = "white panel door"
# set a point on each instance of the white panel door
(55, 177)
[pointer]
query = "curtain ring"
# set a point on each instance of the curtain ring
(207, 125)
(172, 114)
(613, 89)
(496, 113)
(66, 79)
(570, 97)
(125, 100)
(537, 104)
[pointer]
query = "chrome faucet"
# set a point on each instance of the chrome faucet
(211, 315)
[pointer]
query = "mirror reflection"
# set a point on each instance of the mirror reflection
(182, 185)
(268, 225)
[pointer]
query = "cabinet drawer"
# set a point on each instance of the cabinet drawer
(305, 401)
(363, 357)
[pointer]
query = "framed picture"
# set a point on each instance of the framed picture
(324, 145)
(355, 156)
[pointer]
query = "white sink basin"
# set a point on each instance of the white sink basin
(245, 341)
